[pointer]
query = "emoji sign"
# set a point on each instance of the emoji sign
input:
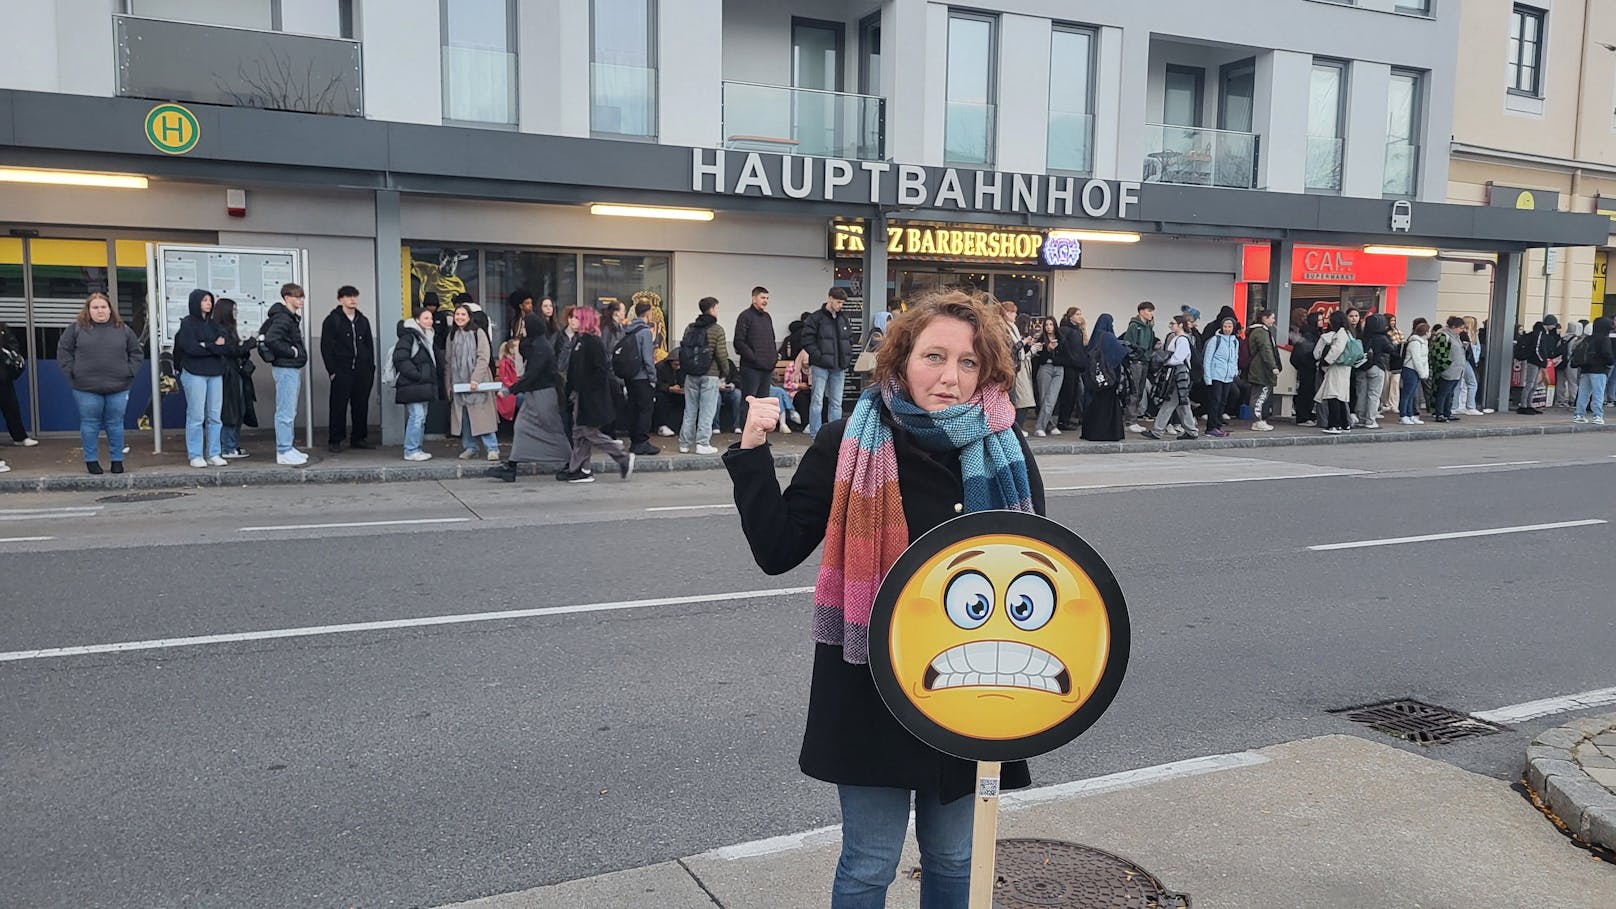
(998, 636)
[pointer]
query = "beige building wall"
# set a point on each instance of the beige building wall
(1563, 141)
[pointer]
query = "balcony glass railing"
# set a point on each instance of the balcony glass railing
(479, 86)
(1197, 156)
(623, 99)
(213, 64)
(1402, 169)
(1323, 166)
(1071, 141)
(968, 133)
(803, 121)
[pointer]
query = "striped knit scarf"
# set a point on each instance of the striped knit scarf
(867, 531)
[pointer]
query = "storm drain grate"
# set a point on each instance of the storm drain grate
(1417, 721)
(1050, 874)
(142, 497)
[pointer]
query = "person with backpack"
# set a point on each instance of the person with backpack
(1335, 391)
(1172, 381)
(1220, 367)
(413, 373)
(281, 343)
(1262, 367)
(1140, 339)
(633, 354)
(473, 415)
(827, 336)
(12, 364)
(538, 435)
(1447, 366)
(589, 378)
(1416, 372)
(1107, 359)
(238, 397)
(1370, 376)
(1594, 358)
(1534, 349)
(704, 361)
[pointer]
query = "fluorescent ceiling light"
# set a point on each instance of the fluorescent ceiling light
(1418, 252)
(1096, 236)
(71, 178)
(652, 211)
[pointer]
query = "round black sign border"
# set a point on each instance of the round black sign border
(956, 530)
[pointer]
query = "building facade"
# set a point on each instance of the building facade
(1054, 154)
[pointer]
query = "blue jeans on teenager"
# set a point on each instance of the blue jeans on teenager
(230, 438)
(874, 821)
(1591, 394)
(414, 427)
(204, 399)
(701, 411)
(1408, 394)
(98, 414)
(825, 382)
(288, 382)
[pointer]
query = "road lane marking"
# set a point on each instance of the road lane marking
(1288, 476)
(1073, 488)
(43, 514)
(1458, 535)
(25, 539)
(1531, 710)
(356, 524)
(689, 507)
(1010, 801)
(423, 621)
(1488, 464)
(52, 510)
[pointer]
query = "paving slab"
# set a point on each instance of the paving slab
(665, 886)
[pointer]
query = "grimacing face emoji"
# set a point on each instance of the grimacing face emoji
(999, 636)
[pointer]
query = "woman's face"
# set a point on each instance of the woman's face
(424, 319)
(207, 304)
(547, 307)
(1353, 318)
(101, 311)
(1050, 329)
(462, 317)
(572, 322)
(1227, 328)
(943, 369)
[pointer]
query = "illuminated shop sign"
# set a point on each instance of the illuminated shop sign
(961, 244)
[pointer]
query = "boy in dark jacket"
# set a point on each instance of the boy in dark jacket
(283, 339)
(827, 336)
(1140, 339)
(349, 351)
(755, 345)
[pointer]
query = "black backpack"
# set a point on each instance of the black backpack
(264, 352)
(627, 363)
(695, 354)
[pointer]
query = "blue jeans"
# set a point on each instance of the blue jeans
(414, 427)
(1591, 394)
(204, 397)
(701, 411)
(229, 438)
(468, 441)
(737, 407)
(1445, 390)
(784, 399)
(874, 820)
(98, 414)
(825, 381)
(288, 382)
(1408, 394)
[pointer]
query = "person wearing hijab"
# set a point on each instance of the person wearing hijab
(538, 435)
(1102, 413)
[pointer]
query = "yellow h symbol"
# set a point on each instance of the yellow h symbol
(171, 126)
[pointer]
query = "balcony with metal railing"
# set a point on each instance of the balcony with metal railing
(803, 121)
(241, 67)
(1198, 156)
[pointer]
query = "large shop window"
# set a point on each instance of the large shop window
(622, 68)
(479, 61)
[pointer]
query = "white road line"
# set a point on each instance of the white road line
(1289, 476)
(46, 516)
(4, 512)
(689, 507)
(25, 539)
(316, 630)
(1488, 464)
(356, 524)
(1073, 488)
(1496, 531)
(1127, 779)
(1531, 710)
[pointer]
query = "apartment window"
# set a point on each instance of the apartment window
(622, 68)
(1181, 98)
(870, 55)
(1403, 116)
(479, 61)
(263, 15)
(1421, 7)
(972, 61)
(1526, 50)
(1071, 99)
(1325, 113)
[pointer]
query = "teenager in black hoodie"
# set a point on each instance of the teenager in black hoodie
(349, 350)
(199, 352)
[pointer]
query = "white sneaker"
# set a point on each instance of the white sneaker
(4, 467)
(493, 454)
(784, 429)
(1262, 426)
(231, 455)
(664, 431)
(198, 462)
(466, 455)
(1417, 421)
(30, 442)
(1039, 433)
(1487, 410)
(1372, 424)
(1135, 427)
(1599, 421)
(706, 450)
(1472, 412)
(418, 456)
(1055, 431)
(293, 458)
(683, 448)
(217, 461)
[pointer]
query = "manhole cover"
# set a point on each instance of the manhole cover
(1050, 874)
(1420, 722)
(142, 496)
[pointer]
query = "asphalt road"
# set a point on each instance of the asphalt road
(421, 765)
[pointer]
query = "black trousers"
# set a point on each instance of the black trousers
(1069, 402)
(641, 397)
(1307, 384)
(755, 382)
(11, 410)
(350, 393)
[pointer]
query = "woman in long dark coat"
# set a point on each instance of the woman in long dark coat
(1102, 416)
(589, 383)
(238, 409)
(538, 434)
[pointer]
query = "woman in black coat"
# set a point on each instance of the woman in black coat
(944, 359)
(239, 396)
(419, 383)
(538, 434)
(589, 384)
(1307, 368)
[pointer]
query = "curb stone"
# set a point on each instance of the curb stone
(1556, 770)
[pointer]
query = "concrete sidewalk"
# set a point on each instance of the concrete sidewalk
(1336, 822)
(57, 465)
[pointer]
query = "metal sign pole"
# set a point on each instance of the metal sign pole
(156, 312)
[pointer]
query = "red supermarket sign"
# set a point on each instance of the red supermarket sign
(1328, 265)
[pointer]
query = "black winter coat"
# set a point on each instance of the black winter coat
(195, 350)
(237, 407)
(283, 337)
(590, 382)
(417, 368)
(347, 345)
(1073, 350)
(538, 358)
(828, 339)
(851, 737)
(754, 339)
